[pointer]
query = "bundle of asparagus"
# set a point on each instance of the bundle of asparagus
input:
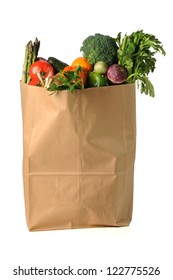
(31, 53)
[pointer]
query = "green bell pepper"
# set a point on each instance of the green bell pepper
(96, 80)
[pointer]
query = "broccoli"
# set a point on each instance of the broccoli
(100, 47)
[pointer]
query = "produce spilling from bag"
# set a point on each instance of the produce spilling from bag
(106, 61)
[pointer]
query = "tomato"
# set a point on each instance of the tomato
(67, 68)
(42, 67)
(82, 74)
(34, 82)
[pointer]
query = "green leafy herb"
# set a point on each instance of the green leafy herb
(69, 80)
(136, 52)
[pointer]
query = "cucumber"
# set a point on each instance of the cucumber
(57, 64)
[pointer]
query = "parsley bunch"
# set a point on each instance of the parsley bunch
(136, 52)
(69, 80)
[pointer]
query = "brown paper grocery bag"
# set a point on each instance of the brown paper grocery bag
(79, 153)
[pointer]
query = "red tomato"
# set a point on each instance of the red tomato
(34, 82)
(83, 73)
(42, 67)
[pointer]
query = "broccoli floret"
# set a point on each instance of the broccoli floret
(100, 47)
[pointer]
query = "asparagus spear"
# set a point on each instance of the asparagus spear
(25, 64)
(31, 53)
(36, 47)
(29, 59)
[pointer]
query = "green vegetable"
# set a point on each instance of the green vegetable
(136, 52)
(69, 80)
(100, 67)
(31, 53)
(100, 47)
(57, 64)
(96, 80)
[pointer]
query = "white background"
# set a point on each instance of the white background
(62, 26)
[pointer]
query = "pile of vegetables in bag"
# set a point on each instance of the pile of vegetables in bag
(105, 61)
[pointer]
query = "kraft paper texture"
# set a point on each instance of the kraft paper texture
(78, 156)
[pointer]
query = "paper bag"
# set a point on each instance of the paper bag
(79, 153)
